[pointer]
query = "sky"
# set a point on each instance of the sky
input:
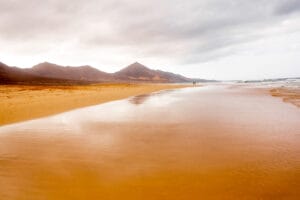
(212, 39)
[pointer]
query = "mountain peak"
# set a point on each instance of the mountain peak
(136, 66)
(45, 65)
(136, 63)
(138, 72)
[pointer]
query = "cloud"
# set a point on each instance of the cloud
(188, 28)
(182, 32)
(288, 7)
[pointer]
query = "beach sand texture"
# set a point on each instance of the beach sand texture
(214, 142)
(19, 102)
(291, 95)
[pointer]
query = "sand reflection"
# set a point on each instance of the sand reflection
(139, 99)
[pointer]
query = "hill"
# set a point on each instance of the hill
(14, 75)
(82, 73)
(139, 72)
(49, 73)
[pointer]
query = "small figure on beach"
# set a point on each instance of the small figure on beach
(194, 83)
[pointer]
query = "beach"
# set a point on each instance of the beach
(290, 95)
(212, 142)
(21, 102)
(150, 100)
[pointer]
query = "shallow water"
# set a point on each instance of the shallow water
(213, 142)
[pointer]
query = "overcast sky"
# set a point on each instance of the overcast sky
(213, 39)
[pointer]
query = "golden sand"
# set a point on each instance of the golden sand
(291, 95)
(19, 103)
(212, 143)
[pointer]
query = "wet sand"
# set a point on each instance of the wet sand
(213, 142)
(290, 95)
(19, 102)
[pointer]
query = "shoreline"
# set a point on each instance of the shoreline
(287, 93)
(20, 103)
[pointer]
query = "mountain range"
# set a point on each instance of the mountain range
(49, 73)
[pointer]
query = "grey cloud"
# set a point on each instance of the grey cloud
(288, 7)
(193, 23)
(190, 30)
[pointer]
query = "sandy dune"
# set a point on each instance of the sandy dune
(19, 103)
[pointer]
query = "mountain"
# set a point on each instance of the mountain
(173, 78)
(139, 72)
(14, 75)
(49, 73)
(83, 73)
